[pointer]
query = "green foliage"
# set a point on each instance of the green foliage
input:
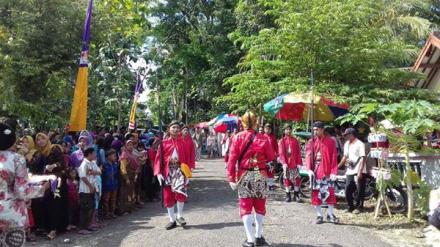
(422, 197)
(355, 49)
(40, 42)
(195, 55)
(212, 56)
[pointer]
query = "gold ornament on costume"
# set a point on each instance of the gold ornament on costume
(249, 120)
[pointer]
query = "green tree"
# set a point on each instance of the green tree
(199, 56)
(356, 50)
(39, 50)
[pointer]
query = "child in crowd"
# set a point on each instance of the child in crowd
(110, 183)
(98, 192)
(73, 197)
(87, 189)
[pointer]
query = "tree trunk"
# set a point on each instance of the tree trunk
(409, 187)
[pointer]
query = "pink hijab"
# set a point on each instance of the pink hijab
(130, 157)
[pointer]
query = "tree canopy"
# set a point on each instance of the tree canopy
(208, 57)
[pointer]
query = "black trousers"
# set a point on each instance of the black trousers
(351, 187)
(86, 208)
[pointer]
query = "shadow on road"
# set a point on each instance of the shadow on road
(215, 226)
(292, 245)
(205, 194)
(301, 245)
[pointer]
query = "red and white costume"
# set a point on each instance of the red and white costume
(273, 144)
(191, 151)
(175, 152)
(323, 164)
(290, 155)
(252, 164)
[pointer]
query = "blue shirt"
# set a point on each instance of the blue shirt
(110, 177)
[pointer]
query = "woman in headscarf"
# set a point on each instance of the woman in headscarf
(53, 207)
(15, 190)
(27, 149)
(128, 169)
(77, 156)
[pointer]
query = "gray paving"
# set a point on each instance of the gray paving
(213, 220)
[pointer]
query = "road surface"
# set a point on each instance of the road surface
(213, 220)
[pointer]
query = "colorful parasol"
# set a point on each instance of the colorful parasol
(297, 107)
(224, 122)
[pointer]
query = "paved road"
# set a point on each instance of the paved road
(213, 220)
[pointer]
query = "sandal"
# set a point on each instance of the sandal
(71, 227)
(30, 238)
(51, 236)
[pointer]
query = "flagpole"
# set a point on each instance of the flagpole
(312, 118)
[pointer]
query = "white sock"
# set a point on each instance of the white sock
(296, 188)
(259, 225)
(171, 214)
(330, 210)
(180, 209)
(247, 222)
(318, 210)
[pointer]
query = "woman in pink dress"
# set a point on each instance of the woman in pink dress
(15, 190)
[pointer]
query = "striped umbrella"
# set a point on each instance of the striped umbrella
(224, 122)
(297, 107)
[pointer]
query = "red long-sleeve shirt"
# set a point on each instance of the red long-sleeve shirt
(190, 148)
(329, 157)
(260, 150)
(168, 145)
(294, 159)
(273, 142)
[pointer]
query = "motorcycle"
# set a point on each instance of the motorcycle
(397, 197)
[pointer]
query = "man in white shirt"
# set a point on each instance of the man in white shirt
(354, 160)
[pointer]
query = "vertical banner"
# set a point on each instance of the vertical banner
(132, 123)
(78, 114)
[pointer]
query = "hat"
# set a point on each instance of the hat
(7, 136)
(185, 127)
(268, 125)
(319, 125)
(286, 125)
(349, 131)
(249, 120)
(174, 122)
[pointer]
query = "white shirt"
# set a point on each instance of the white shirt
(83, 169)
(353, 151)
(174, 155)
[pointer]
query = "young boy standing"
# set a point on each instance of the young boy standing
(110, 184)
(86, 190)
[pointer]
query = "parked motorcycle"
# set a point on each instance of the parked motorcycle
(397, 197)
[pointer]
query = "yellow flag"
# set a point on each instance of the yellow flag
(78, 115)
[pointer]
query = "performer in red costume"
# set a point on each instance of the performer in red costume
(268, 132)
(171, 176)
(250, 152)
(290, 158)
(322, 161)
(190, 147)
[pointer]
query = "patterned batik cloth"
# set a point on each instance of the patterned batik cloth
(253, 185)
(176, 179)
(291, 174)
(323, 187)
